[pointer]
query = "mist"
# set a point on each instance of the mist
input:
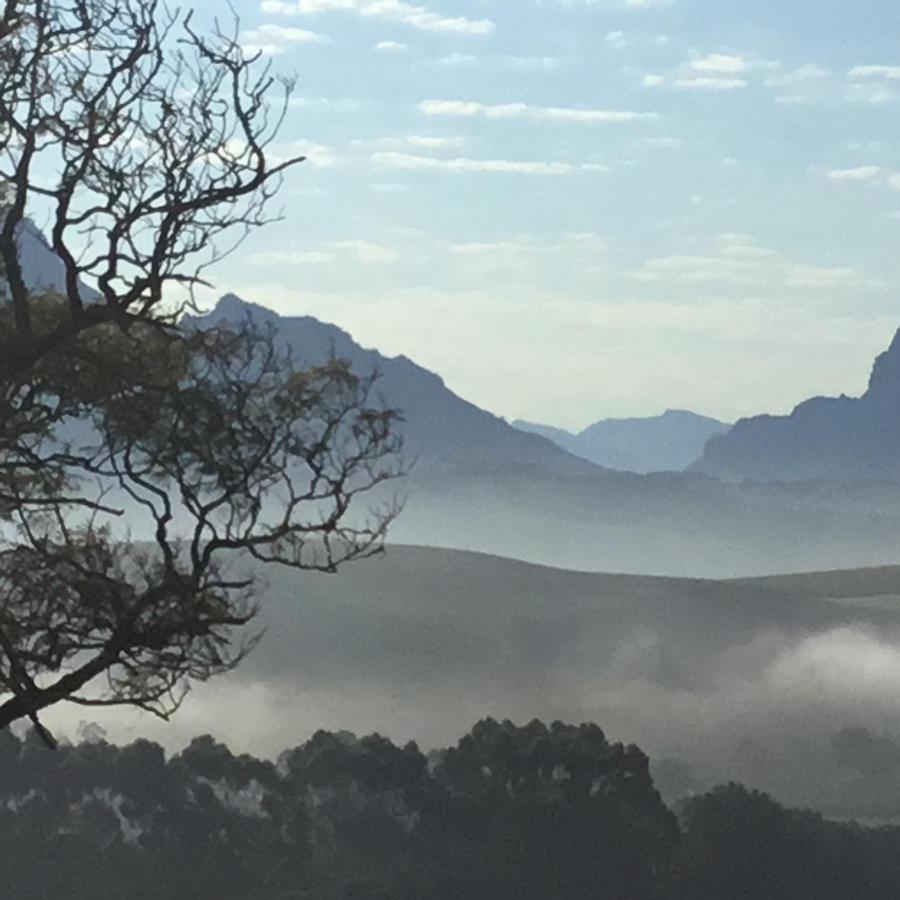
(753, 680)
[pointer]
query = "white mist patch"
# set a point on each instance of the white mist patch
(850, 665)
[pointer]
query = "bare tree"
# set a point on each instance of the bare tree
(158, 137)
(211, 444)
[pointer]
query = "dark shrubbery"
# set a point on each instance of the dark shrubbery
(510, 812)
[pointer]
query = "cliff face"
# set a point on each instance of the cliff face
(884, 384)
(839, 438)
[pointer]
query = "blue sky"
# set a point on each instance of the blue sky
(578, 208)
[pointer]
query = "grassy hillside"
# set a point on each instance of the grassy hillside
(751, 679)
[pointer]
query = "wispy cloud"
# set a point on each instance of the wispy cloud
(469, 108)
(739, 260)
(418, 17)
(880, 176)
(806, 276)
(693, 269)
(364, 252)
(628, 4)
(873, 93)
(272, 40)
(721, 63)
(390, 47)
(434, 142)
(797, 76)
(618, 40)
(891, 72)
(719, 71)
(525, 63)
(705, 83)
(858, 173)
(410, 161)
(318, 156)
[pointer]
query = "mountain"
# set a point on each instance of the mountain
(840, 438)
(665, 443)
(481, 485)
(439, 426)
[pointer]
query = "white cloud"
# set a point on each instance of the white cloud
(540, 63)
(489, 248)
(271, 40)
(364, 252)
(367, 252)
(458, 59)
(800, 75)
(430, 142)
(712, 72)
(631, 4)
(859, 173)
(616, 39)
(391, 47)
(527, 63)
(806, 276)
(687, 269)
(290, 257)
(468, 108)
(710, 84)
(891, 72)
(392, 10)
(742, 246)
(662, 143)
(873, 93)
(720, 62)
(319, 156)
(337, 104)
(410, 161)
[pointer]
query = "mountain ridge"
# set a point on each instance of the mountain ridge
(834, 438)
(438, 424)
(664, 443)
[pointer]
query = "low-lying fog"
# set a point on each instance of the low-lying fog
(791, 685)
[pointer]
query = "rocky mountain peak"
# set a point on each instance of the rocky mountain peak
(884, 384)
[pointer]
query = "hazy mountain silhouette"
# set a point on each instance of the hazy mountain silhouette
(839, 438)
(480, 484)
(439, 426)
(665, 443)
(42, 269)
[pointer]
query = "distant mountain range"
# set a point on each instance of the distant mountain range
(840, 438)
(439, 426)
(480, 484)
(665, 443)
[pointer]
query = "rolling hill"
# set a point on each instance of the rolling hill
(748, 679)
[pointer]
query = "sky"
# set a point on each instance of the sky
(574, 209)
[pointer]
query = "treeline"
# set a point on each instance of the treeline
(532, 813)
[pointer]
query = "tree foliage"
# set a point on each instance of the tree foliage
(346, 818)
(114, 406)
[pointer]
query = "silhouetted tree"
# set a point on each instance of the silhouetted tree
(546, 812)
(111, 400)
(341, 818)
